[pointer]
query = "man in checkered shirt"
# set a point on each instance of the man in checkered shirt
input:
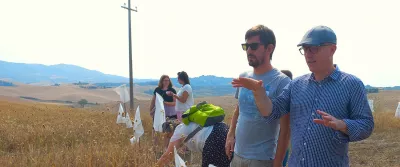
(328, 108)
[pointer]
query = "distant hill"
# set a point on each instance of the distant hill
(372, 89)
(6, 83)
(60, 73)
(205, 85)
(53, 75)
(204, 80)
(392, 88)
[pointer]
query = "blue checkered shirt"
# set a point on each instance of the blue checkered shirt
(341, 95)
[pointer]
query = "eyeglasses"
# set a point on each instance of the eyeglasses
(311, 49)
(253, 46)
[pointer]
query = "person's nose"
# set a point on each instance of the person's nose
(249, 51)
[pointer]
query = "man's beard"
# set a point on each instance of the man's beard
(254, 62)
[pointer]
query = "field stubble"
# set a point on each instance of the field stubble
(35, 134)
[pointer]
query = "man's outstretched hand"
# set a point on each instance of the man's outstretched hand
(247, 83)
(330, 121)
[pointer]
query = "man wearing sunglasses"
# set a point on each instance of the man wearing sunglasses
(328, 108)
(251, 141)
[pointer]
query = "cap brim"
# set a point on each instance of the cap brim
(308, 42)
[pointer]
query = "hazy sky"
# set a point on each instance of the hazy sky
(200, 37)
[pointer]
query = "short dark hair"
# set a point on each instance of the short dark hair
(169, 125)
(267, 36)
(184, 77)
(287, 73)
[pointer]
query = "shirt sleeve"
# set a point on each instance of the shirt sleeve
(187, 88)
(360, 123)
(280, 104)
(181, 131)
(282, 85)
(155, 91)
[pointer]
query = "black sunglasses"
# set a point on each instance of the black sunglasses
(252, 46)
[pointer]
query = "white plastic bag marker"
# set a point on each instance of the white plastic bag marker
(122, 91)
(137, 125)
(159, 114)
(120, 119)
(128, 121)
(371, 104)
(397, 114)
(178, 160)
(133, 140)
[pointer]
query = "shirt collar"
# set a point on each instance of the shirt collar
(334, 75)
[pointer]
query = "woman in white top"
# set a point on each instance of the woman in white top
(210, 141)
(184, 97)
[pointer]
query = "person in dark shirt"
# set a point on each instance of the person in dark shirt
(164, 86)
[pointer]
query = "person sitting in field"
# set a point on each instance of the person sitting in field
(210, 141)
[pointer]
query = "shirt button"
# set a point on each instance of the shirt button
(302, 159)
(312, 114)
(319, 85)
(316, 99)
(304, 143)
(308, 128)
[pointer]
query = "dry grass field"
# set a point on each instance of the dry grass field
(34, 134)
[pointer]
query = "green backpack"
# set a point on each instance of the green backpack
(203, 114)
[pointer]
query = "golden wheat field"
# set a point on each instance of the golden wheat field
(34, 134)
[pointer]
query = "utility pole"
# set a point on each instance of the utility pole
(130, 53)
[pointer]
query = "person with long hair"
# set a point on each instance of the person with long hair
(164, 86)
(184, 97)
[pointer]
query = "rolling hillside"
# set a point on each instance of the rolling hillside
(66, 93)
(60, 73)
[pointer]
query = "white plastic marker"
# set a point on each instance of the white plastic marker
(178, 160)
(371, 104)
(134, 140)
(120, 119)
(128, 121)
(122, 91)
(397, 114)
(137, 125)
(159, 114)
